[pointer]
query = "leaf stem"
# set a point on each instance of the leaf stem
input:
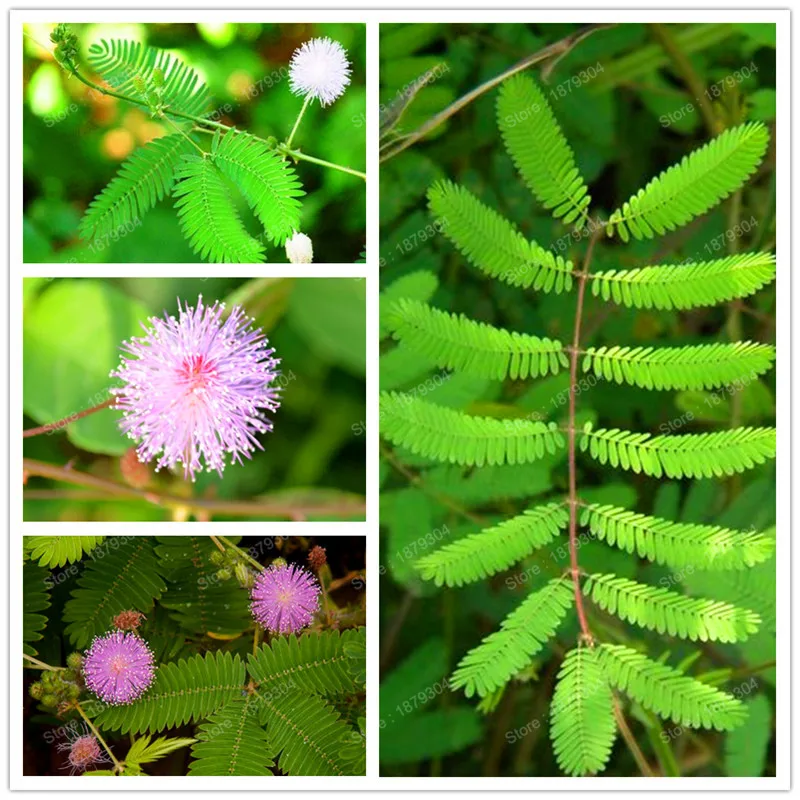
(300, 156)
(573, 480)
(630, 740)
(41, 664)
(228, 543)
(96, 732)
(231, 507)
(306, 104)
(62, 423)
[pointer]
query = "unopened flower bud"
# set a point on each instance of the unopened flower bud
(135, 473)
(243, 575)
(36, 690)
(75, 660)
(158, 77)
(317, 558)
(139, 84)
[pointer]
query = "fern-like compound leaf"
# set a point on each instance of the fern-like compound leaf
(58, 551)
(494, 549)
(455, 342)
(522, 635)
(184, 691)
(142, 181)
(448, 435)
(539, 150)
(125, 578)
(419, 286)
(691, 455)
(198, 601)
(683, 286)
(307, 730)
(36, 584)
(677, 544)
(668, 692)
(582, 724)
(119, 61)
(208, 217)
(493, 245)
(663, 611)
(146, 750)
(317, 662)
(233, 743)
(699, 182)
(703, 366)
(268, 183)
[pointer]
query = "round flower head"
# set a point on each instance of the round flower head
(285, 598)
(84, 752)
(299, 249)
(320, 68)
(194, 388)
(118, 667)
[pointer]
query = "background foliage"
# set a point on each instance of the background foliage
(631, 116)
(74, 139)
(199, 627)
(315, 455)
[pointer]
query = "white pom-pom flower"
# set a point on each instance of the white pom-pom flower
(320, 68)
(299, 249)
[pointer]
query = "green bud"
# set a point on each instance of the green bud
(49, 700)
(139, 84)
(158, 78)
(69, 675)
(217, 558)
(224, 574)
(75, 660)
(272, 142)
(73, 692)
(36, 690)
(279, 562)
(243, 575)
(153, 99)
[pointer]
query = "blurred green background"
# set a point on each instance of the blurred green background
(628, 114)
(316, 453)
(74, 139)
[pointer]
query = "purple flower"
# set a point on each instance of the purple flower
(285, 598)
(195, 388)
(118, 667)
(84, 752)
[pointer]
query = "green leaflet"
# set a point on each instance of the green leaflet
(197, 599)
(36, 584)
(268, 182)
(233, 743)
(494, 549)
(208, 216)
(691, 455)
(582, 724)
(660, 610)
(455, 342)
(120, 61)
(448, 435)
(493, 245)
(57, 551)
(677, 544)
(682, 286)
(540, 151)
(522, 635)
(307, 731)
(704, 366)
(668, 692)
(124, 577)
(185, 691)
(699, 182)
(142, 181)
(312, 662)
(419, 286)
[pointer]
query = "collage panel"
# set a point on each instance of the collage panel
(194, 399)
(197, 656)
(578, 398)
(188, 142)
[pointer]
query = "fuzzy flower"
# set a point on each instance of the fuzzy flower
(118, 667)
(194, 388)
(285, 598)
(299, 249)
(84, 752)
(320, 68)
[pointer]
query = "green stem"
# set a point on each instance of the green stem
(306, 103)
(41, 664)
(207, 123)
(300, 156)
(185, 135)
(96, 732)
